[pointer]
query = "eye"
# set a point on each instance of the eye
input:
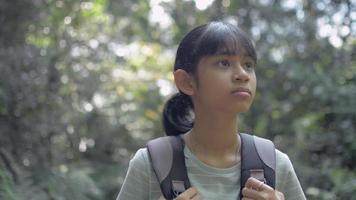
(249, 65)
(224, 63)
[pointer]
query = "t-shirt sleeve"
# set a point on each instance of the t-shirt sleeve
(287, 180)
(136, 184)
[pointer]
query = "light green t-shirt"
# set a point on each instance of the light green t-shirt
(212, 183)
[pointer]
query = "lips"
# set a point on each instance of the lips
(241, 92)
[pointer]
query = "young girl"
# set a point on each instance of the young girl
(214, 72)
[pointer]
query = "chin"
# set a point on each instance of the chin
(242, 109)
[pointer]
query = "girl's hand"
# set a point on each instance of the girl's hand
(257, 190)
(191, 194)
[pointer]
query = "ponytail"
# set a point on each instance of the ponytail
(177, 115)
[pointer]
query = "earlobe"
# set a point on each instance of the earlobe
(184, 81)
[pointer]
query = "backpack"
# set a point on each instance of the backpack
(258, 160)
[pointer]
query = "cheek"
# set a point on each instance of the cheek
(211, 87)
(253, 83)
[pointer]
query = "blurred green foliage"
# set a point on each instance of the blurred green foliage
(82, 85)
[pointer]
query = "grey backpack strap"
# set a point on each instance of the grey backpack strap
(258, 160)
(168, 162)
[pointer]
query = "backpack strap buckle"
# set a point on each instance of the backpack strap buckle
(177, 187)
(258, 174)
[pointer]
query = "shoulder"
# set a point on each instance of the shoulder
(140, 159)
(286, 178)
(282, 160)
(137, 178)
(284, 165)
(139, 164)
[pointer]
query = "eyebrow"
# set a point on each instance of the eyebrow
(227, 52)
(245, 57)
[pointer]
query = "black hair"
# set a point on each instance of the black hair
(214, 38)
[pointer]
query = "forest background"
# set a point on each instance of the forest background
(82, 85)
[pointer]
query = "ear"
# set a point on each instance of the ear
(184, 81)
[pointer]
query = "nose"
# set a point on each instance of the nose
(240, 74)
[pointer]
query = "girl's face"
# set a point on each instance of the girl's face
(225, 83)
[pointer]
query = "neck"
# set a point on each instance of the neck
(214, 135)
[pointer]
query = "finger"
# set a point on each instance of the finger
(257, 185)
(161, 198)
(257, 195)
(197, 197)
(188, 194)
(280, 195)
(252, 183)
(251, 193)
(192, 192)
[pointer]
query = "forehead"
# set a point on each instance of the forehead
(233, 57)
(232, 50)
(226, 42)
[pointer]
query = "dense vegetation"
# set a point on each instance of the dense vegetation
(82, 84)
